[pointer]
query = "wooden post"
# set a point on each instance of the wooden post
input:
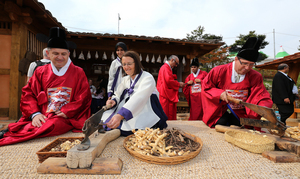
(18, 50)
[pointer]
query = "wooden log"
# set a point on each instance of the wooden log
(293, 147)
(84, 159)
(281, 156)
(57, 165)
(292, 122)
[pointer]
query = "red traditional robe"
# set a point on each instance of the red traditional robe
(70, 93)
(168, 87)
(218, 80)
(193, 95)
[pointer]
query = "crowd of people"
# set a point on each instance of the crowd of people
(59, 97)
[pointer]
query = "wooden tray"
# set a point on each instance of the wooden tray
(45, 153)
(251, 142)
(165, 160)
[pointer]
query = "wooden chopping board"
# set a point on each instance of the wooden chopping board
(292, 147)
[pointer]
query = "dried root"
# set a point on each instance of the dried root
(164, 143)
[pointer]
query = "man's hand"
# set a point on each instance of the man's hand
(61, 114)
(197, 80)
(223, 97)
(38, 119)
(287, 100)
(181, 84)
(190, 82)
(115, 121)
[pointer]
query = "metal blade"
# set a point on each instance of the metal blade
(265, 112)
(264, 124)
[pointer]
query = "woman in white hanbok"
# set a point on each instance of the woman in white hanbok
(135, 103)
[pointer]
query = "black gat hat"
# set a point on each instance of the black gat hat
(250, 49)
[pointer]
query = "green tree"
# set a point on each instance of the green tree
(214, 57)
(238, 44)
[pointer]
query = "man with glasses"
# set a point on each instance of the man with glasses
(238, 80)
(168, 86)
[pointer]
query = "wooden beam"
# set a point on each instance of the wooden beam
(20, 3)
(4, 71)
(13, 16)
(27, 20)
(18, 50)
(9, 6)
(4, 112)
(294, 71)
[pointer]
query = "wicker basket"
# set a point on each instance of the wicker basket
(251, 142)
(164, 160)
(45, 153)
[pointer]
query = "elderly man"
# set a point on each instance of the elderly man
(35, 64)
(238, 80)
(192, 90)
(168, 86)
(284, 92)
(56, 99)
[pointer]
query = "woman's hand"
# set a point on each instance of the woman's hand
(110, 103)
(115, 121)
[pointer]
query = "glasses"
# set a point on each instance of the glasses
(246, 64)
(128, 64)
(176, 62)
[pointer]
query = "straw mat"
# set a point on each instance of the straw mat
(218, 159)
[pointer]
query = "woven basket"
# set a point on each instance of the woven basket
(45, 153)
(164, 160)
(251, 142)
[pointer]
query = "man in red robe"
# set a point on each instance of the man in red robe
(238, 80)
(168, 86)
(56, 99)
(192, 90)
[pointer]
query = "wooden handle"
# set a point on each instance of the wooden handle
(231, 99)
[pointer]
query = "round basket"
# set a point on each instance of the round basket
(164, 160)
(251, 142)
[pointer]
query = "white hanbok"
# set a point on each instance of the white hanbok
(115, 75)
(141, 108)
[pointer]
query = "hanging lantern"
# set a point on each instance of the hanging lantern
(158, 59)
(153, 59)
(88, 56)
(113, 56)
(147, 58)
(96, 55)
(141, 57)
(81, 56)
(74, 54)
(183, 61)
(165, 59)
(104, 57)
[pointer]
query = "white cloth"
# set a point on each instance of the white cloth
(294, 90)
(112, 71)
(33, 65)
(235, 75)
(139, 103)
(195, 75)
(63, 70)
(93, 91)
(167, 62)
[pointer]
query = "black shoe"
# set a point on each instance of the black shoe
(3, 132)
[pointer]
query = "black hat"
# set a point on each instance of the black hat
(195, 62)
(122, 45)
(250, 50)
(56, 39)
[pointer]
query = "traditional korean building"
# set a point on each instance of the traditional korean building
(21, 20)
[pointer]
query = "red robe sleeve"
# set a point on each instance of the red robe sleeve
(187, 89)
(258, 95)
(167, 86)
